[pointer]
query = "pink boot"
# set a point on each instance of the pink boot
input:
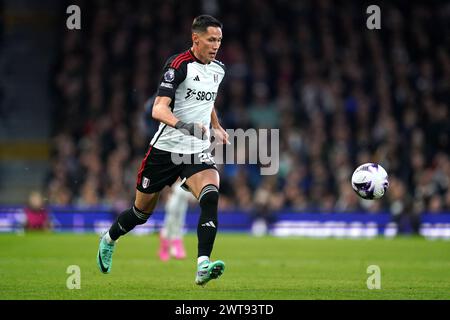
(164, 246)
(177, 249)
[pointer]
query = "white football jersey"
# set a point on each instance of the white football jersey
(193, 87)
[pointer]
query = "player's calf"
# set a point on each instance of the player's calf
(207, 224)
(127, 221)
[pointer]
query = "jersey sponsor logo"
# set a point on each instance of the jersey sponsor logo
(200, 95)
(145, 182)
(196, 78)
(169, 76)
(166, 85)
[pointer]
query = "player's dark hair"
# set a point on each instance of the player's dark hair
(202, 22)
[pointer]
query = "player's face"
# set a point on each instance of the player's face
(208, 43)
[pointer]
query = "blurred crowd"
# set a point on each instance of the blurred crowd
(341, 95)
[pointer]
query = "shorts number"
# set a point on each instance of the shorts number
(206, 158)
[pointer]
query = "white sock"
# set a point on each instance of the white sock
(202, 258)
(108, 238)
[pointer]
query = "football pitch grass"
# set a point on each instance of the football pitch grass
(34, 266)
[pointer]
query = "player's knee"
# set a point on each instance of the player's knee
(146, 203)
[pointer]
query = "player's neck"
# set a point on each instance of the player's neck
(198, 57)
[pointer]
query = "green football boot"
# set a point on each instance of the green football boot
(104, 255)
(208, 270)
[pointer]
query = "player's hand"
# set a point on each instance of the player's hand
(220, 136)
(192, 129)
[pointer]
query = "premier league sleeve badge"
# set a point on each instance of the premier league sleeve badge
(169, 75)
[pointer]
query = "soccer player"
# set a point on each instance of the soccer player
(171, 235)
(184, 106)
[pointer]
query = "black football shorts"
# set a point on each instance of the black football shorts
(161, 168)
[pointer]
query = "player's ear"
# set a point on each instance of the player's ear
(195, 38)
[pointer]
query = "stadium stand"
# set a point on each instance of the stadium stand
(341, 95)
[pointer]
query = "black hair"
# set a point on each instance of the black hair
(202, 22)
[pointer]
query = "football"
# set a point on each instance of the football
(370, 181)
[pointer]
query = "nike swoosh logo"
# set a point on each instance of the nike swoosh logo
(104, 270)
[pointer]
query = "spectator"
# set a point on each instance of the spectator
(36, 214)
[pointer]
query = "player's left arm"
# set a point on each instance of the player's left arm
(220, 134)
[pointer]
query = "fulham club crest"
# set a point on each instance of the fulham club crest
(216, 78)
(145, 182)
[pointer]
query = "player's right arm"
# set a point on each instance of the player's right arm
(162, 112)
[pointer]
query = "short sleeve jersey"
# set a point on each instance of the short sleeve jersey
(193, 87)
